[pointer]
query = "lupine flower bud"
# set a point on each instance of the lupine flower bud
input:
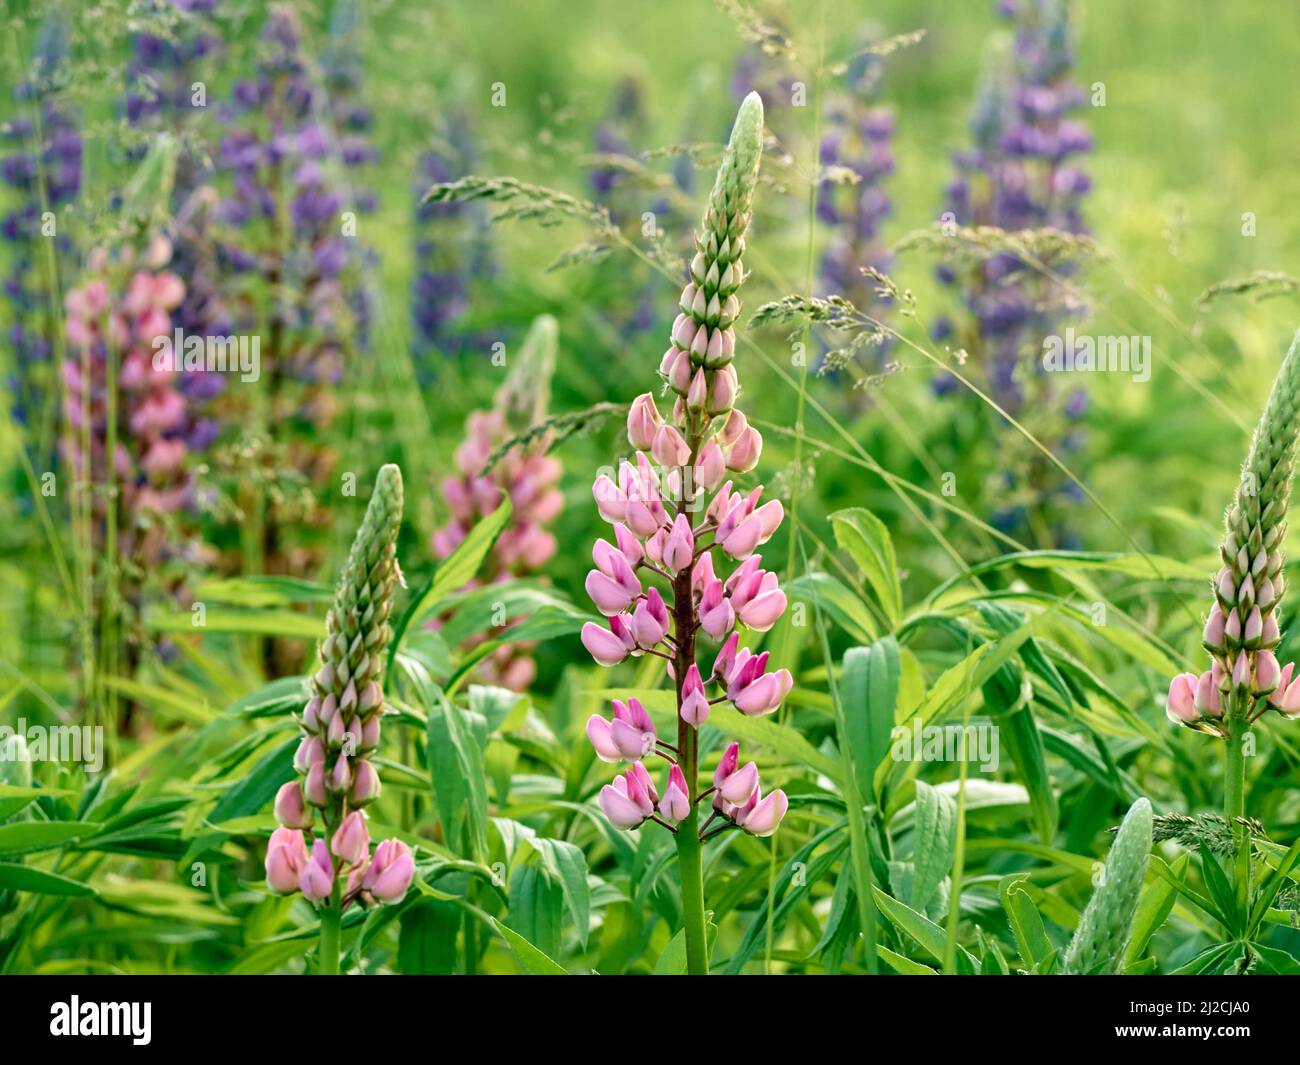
(725, 661)
(340, 778)
(365, 785)
(711, 466)
(605, 647)
(610, 500)
(1232, 628)
(632, 732)
(717, 615)
(695, 703)
(1267, 673)
(1180, 706)
(316, 879)
(744, 454)
(1270, 634)
(310, 751)
(351, 843)
(313, 788)
(643, 421)
(676, 802)
(738, 786)
(1241, 672)
(668, 447)
(628, 801)
(679, 548)
(722, 391)
(1208, 702)
(697, 397)
(1213, 636)
(1284, 681)
(286, 856)
(650, 620)
(390, 872)
(762, 816)
(290, 809)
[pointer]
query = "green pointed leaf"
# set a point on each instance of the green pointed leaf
(535, 961)
(38, 881)
(23, 837)
(869, 690)
(865, 538)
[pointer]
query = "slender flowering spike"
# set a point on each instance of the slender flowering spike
(1021, 171)
(1242, 629)
(340, 722)
(679, 521)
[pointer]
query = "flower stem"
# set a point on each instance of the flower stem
(691, 869)
(1234, 804)
(330, 918)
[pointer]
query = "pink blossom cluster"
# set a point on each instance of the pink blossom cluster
(668, 532)
(528, 478)
(117, 315)
(347, 731)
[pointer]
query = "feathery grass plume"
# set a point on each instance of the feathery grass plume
(1107, 921)
(341, 731)
(1204, 830)
(1242, 630)
(1260, 285)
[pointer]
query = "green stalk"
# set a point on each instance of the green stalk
(691, 868)
(331, 917)
(1234, 803)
